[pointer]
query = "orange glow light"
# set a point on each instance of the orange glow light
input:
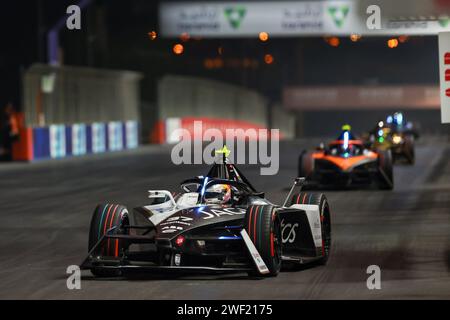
(214, 63)
(392, 43)
(263, 36)
(218, 63)
(333, 41)
(178, 49)
(268, 59)
(355, 37)
(152, 35)
(208, 63)
(185, 36)
(403, 39)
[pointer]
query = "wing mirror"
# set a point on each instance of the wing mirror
(321, 147)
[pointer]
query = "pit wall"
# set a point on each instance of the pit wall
(61, 141)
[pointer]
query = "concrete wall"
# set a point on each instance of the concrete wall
(80, 95)
(180, 96)
(283, 120)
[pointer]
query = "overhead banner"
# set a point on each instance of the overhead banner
(444, 71)
(287, 18)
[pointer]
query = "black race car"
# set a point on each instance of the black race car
(219, 223)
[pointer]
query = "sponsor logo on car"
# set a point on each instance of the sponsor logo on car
(171, 229)
(288, 232)
(177, 220)
(212, 213)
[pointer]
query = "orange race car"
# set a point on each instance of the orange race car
(346, 162)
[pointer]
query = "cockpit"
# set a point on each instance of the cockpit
(346, 151)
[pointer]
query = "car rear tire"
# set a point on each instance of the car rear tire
(263, 227)
(385, 168)
(320, 200)
(305, 165)
(105, 217)
(409, 150)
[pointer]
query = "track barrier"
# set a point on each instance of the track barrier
(60, 141)
(163, 131)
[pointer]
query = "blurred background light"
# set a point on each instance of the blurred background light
(152, 35)
(355, 37)
(184, 36)
(403, 39)
(178, 49)
(333, 41)
(268, 58)
(392, 43)
(263, 36)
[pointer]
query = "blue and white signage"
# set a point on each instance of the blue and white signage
(98, 137)
(79, 139)
(115, 136)
(131, 134)
(57, 141)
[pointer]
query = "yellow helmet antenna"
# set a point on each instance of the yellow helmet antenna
(224, 151)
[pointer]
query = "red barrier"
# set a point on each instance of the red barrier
(22, 149)
(220, 124)
(159, 133)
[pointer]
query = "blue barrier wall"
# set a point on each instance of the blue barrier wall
(41, 143)
(59, 141)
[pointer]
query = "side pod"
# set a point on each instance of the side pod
(301, 232)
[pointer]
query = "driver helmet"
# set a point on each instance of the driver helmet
(398, 119)
(218, 194)
(346, 133)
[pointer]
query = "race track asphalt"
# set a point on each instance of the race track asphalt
(46, 207)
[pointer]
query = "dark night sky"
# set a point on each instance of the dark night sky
(114, 35)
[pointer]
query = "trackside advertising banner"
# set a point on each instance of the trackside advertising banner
(444, 75)
(59, 141)
(79, 140)
(287, 18)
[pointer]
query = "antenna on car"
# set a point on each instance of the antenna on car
(226, 170)
(298, 182)
(225, 152)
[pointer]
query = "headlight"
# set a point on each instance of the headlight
(397, 139)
